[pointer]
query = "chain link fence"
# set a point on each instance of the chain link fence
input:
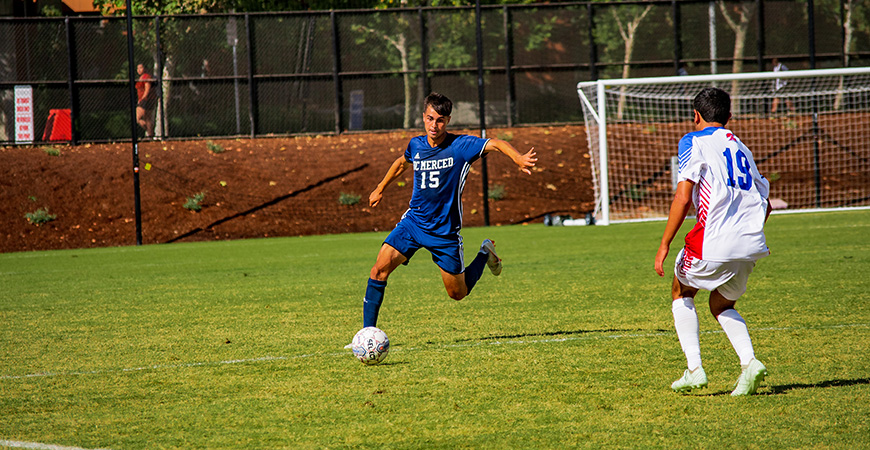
(270, 74)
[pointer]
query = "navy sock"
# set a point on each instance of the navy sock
(474, 270)
(372, 302)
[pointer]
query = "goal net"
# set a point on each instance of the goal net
(809, 132)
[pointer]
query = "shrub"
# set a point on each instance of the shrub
(51, 151)
(40, 216)
(194, 203)
(214, 148)
(348, 199)
(496, 192)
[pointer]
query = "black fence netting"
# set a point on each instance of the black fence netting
(334, 71)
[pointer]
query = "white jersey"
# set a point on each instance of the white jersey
(730, 197)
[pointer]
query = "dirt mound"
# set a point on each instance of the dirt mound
(263, 187)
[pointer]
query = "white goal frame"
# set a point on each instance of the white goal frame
(820, 87)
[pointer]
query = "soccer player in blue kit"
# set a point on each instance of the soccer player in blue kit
(441, 162)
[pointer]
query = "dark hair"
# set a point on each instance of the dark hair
(714, 104)
(440, 103)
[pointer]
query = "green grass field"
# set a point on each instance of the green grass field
(240, 345)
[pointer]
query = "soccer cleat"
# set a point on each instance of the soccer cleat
(690, 380)
(494, 262)
(750, 378)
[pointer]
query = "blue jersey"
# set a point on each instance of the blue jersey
(439, 179)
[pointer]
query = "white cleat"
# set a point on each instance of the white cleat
(690, 381)
(750, 378)
(494, 262)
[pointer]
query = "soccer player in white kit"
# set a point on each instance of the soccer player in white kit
(717, 174)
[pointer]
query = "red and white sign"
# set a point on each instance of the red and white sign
(24, 114)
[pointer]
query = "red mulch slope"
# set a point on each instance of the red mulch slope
(263, 187)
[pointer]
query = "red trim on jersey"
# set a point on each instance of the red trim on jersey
(685, 264)
(695, 238)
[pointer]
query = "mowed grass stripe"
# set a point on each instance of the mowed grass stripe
(529, 340)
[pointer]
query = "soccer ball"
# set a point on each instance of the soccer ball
(370, 345)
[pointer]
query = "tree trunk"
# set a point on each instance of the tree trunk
(629, 33)
(161, 127)
(740, 25)
(847, 43)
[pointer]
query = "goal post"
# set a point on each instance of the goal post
(808, 130)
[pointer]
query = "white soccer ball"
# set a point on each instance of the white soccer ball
(371, 345)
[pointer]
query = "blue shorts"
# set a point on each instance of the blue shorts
(446, 251)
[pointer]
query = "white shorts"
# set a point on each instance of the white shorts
(729, 278)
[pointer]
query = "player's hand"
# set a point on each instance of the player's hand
(375, 197)
(660, 260)
(527, 161)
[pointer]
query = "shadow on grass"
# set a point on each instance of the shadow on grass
(566, 333)
(775, 390)
(274, 201)
(785, 388)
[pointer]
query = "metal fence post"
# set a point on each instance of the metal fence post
(252, 86)
(811, 28)
(424, 53)
(71, 73)
(593, 49)
(336, 69)
(133, 124)
(760, 31)
(678, 38)
(481, 99)
(508, 65)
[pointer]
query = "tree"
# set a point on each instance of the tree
(145, 37)
(404, 53)
(632, 16)
(855, 19)
(172, 34)
(739, 24)
(396, 35)
(625, 25)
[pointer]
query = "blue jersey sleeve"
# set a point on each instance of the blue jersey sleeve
(470, 148)
(685, 151)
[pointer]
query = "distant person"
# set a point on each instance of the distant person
(684, 108)
(441, 162)
(779, 87)
(683, 71)
(717, 174)
(147, 100)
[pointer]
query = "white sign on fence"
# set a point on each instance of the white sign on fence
(24, 114)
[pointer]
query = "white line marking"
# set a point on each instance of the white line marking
(345, 353)
(37, 445)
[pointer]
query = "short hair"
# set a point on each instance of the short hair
(440, 103)
(713, 104)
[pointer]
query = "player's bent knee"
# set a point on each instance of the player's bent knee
(379, 273)
(456, 294)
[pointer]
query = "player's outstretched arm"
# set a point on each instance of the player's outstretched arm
(679, 209)
(525, 161)
(395, 170)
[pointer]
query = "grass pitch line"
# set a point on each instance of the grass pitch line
(154, 367)
(38, 445)
(408, 349)
(638, 335)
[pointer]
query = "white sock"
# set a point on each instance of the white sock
(738, 334)
(686, 323)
